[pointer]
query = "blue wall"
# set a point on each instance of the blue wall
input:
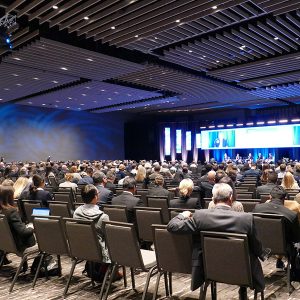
(31, 133)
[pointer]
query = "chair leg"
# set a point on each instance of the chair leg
(147, 282)
(124, 276)
(74, 262)
(156, 286)
(112, 274)
(213, 287)
(170, 284)
(243, 293)
(38, 270)
(288, 273)
(132, 278)
(108, 271)
(203, 290)
(59, 265)
(24, 258)
(3, 254)
(166, 284)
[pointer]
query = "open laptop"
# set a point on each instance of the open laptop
(41, 211)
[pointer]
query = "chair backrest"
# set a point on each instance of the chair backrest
(271, 232)
(173, 212)
(53, 182)
(78, 198)
(244, 195)
(221, 267)
(83, 240)
(145, 217)
(58, 208)
(160, 202)
(249, 204)
(7, 242)
(65, 197)
(29, 205)
(116, 213)
(173, 251)
(122, 243)
(143, 193)
(119, 191)
(51, 235)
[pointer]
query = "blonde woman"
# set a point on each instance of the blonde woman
(186, 187)
(289, 182)
(141, 174)
(68, 183)
(19, 186)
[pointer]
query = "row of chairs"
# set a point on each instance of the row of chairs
(58, 236)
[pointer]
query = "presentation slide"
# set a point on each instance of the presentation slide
(252, 137)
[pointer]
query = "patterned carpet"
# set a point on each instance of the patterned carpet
(81, 287)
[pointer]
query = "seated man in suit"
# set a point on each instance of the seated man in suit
(253, 172)
(271, 183)
(222, 218)
(127, 198)
(205, 187)
(105, 195)
(276, 206)
(158, 189)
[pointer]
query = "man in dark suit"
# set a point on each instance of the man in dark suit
(276, 206)
(104, 195)
(158, 189)
(271, 183)
(110, 177)
(222, 218)
(253, 172)
(205, 187)
(127, 198)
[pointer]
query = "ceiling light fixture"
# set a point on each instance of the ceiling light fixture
(276, 38)
(177, 21)
(86, 18)
(89, 59)
(215, 7)
(64, 68)
(112, 27)
(55, 7)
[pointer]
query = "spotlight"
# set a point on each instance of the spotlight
(7, 40)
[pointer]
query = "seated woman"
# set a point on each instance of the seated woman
(23, 236)
(68, 182)
(289, 182)
(19, 186)
(186, 187)
(91, 211)
(37, 192)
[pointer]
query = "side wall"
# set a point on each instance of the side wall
(30, 133)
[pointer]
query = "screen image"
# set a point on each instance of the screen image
(252, 137)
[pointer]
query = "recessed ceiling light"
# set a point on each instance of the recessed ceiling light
(89, 59)
(156, 38)
(6, 89)
(44, 104)
(55, 7)
(29, 102)
(215, 7)
(177, 21)
(102, 90)
(217, 61)
(64, 68)
(108, 98)
(16, 75)
(112, 27)
(35, 78)
(276, 38)
(54, 81)
(57, 101)
(87, 87)
(68, 107)
(70, 98)
(86, 18)
(136, 36)
(81, 104)
(19, 84)
(190, 51)
(16, 58)
(83, 95)
(117, 93)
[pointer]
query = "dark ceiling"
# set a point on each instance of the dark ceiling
(152, 55)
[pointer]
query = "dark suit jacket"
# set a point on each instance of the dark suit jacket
(158, 190)
(254, 173)
(222, 218)
(292, 224)
(130, 202)
(105, 195)
(109, 185)
(23, 236)
(264, 189)
(185, 202)
(43, 196)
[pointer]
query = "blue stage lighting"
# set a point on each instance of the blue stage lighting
(7, 40)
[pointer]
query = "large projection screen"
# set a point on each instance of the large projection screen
(280, 136)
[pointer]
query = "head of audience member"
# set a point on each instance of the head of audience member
(99, 178)
(159, 180)
(157, 168)
(297, 168)
(73, 169)
(186, 187)
(69, 177)
(185, 170)
(129, 184)
(19, 186)
(121, 167)
(89, 171)
(211, 175)
(288, 180)
(140, 174)
(222, 193)
(232, 174)
(23, 172)
(282, 167)
(272, 177)
(278, 193)
(6, 197)
(111, 176)
(7, 182)
(219, 174)
(89, 194)
(48, 170)
(228, 180)
(38, 181)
